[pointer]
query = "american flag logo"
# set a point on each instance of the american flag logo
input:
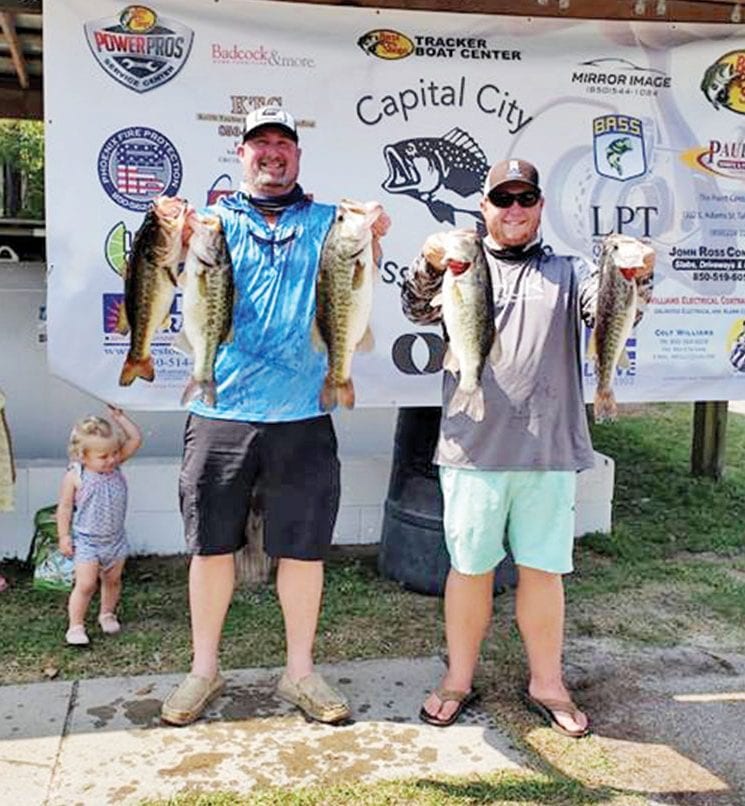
(137, 164)
(140, 169)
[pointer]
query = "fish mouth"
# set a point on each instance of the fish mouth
(457, 267)
(403, 175)
(172, 211)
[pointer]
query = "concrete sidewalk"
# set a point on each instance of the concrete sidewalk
(668, 729)
(100, 741)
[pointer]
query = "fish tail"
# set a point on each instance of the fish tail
(199, 390)
(209, 393)
(328, 397)
(604, 406)
(136, 368)
(337, 393)
(345, 394)
(471, 403)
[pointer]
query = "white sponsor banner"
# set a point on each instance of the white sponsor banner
(635, 127)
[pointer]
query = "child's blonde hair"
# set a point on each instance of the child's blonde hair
(86, 428)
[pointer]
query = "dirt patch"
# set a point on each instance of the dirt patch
(666, 722)
(662, 678)
(659, 613)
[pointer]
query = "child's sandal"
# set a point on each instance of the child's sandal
(109, 623)
(77, 636)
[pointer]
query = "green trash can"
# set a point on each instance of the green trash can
(52, 570)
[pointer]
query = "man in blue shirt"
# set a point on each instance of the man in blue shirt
(267, 426)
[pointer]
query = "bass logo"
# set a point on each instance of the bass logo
(618, 145)
(440, 172)
(137, 164)
(139, 49)
(723, 83)
(386, 44)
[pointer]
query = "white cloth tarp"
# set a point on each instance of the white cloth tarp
(635, 126)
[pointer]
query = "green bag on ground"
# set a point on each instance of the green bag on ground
(52, 570)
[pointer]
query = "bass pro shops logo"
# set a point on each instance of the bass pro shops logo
(139, 49)
(723, 83)
(618, 145)
(386, 44)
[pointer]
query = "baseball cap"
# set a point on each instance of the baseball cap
(511, 171)
(269, 116)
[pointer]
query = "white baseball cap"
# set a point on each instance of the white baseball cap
(269, 116)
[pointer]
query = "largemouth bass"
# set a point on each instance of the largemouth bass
(344, 293)
(467, 305)
(624, 262)
(207, 300)
(150, 282)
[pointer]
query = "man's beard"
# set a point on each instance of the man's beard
(266, 177)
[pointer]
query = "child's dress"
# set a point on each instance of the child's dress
(98, 520)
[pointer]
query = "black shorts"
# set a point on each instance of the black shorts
(293, 466)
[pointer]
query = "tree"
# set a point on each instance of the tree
(22, 158)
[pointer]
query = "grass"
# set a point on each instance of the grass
(668, 570)
(501, 788)
(659, 509)
(678, 546)
(671, 573)
(363, 617)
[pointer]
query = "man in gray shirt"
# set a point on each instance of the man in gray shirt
(513, 472)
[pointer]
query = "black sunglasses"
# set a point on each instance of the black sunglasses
(528, 198)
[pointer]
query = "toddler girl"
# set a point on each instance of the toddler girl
(90, 517)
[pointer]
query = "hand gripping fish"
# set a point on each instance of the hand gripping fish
(468, 312)
(150, 282)
(208, 291)
(624, 262)
(344, 292)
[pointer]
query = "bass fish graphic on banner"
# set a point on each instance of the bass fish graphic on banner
(618, 144)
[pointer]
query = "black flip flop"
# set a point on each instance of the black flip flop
(548, 710)
(463, 698)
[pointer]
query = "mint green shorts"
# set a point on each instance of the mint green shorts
(532, 509)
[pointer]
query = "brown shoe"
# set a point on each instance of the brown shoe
(186, 703)
(548, 709)
(315, 697)
(463, 698)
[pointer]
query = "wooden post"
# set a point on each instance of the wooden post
(709, 430)
(253, 566)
